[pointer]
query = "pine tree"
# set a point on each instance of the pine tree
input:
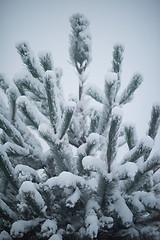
(78, 188)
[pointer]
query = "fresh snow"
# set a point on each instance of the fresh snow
(5, 236)
(117, 112)
(66, 179)
(94, 164)
(111, 77)
(29, 187)
(128, 169)
(20, 227)
(73, 199)
(48, 228)
(25, 172)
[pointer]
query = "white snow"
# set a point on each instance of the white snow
(156, 177)
(28, 54)
(20, 227)
(73, 199)
(156, 146)
(111, 77)
(33, 111)
(148, 199)
(48, 228)
(95, 92)
(5, 208)
(120, 207)
(94, 164)
(106, 222)
(117, 112)
(56, 237)
(91, 222)
(25, 173)
(128, 169)
(29, 187)
(5, 236)
(147, 141)
(66, 179)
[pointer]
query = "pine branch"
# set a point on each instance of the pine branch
(155, 121)
(66, 120)
(117, 63)
(95, 93)
(80, 39)
(142, 148)
(29, 60)
(13, 94)
(21, 227)
(113, 137)
(14, 150)
(127, 94)
(30, 111)
(117, 58)
(4, 83)
(110, 93)
(32, 197)
(110, 87)
(45, 59)
(3, 137)
(89, 148)
(27, 82)
(51, 90)
(130, 135)
(11, 131)
(6, 212)
(7, 168)
(60, 149)
(152, 163)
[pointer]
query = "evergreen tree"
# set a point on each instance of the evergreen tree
(78, 188)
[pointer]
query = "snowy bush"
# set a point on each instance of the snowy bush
(78, 187)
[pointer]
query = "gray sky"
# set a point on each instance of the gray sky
(45, 25)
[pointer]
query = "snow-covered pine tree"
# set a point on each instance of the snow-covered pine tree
(78, 188)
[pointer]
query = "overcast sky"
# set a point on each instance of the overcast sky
(45, 25)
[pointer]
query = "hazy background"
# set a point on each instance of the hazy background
(45, 25)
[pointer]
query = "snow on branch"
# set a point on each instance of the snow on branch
(20, 227)
(66, 179)
(110, 86)
(95, 164)
(51, 88)
(144, 146)
(26, 173)
(67, 116)
(80, 42)
(46, 61)
(4, 82)
(127, 94)
(48, 228)
(155, 120)
(7, 168)
(96, 93)
(30, 195)
(6, 212)
(130, 135)
(29, 60)
(13, 149)
(113, 136)
(25, 81)
(31, 112)
(11, 131)
(120, 207)
(73, 198)
(152, 162)
(128, 169)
